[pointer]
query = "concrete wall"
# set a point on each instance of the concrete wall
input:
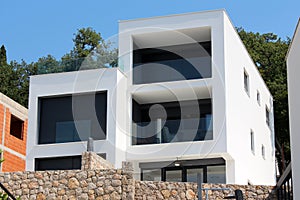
(245, 114)
(172, 30)
(293, 67)
(110, 80)
(14, 149)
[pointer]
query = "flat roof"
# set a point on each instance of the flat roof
(172, 15)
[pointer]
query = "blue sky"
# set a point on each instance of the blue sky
(32, 29)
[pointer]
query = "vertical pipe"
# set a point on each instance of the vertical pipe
(199, 181)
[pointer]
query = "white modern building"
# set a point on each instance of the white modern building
(293, 70)
(186, 99)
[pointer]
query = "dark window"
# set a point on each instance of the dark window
(172, 63)
(209, 170)
(16, 127)
(267, 116)
(58, 163)
(172, 122)
(258, 97)
(246, 82)
(252, 142)
(263, 152)
(72, 118)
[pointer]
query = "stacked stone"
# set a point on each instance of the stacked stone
(70, 184)
(150, 190)
(90, 160)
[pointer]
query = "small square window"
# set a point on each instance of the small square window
(252, 142)
(246, 82)
(268, 116)
(16, 127)
(263, 152)
(258, 97)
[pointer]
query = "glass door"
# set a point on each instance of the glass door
(173, 175)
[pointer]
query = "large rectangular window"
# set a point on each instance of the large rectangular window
(208, 170)
(172, 63)
(72, 118)
(172, 122)
(58, 163)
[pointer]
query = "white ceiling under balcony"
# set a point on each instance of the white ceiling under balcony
(172, 91)
(172, 37)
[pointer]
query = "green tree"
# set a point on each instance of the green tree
(3, 58)
(90, 51)
(268, 53)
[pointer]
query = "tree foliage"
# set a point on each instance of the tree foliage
(268, 53)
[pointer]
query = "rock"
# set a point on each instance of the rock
(190, 194)
(73, 183)
(40, 196)
(166, 193)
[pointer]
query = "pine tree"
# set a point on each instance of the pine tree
(3, 58)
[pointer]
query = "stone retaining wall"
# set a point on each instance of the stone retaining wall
(91, 160)
(150, 190)
(97, 180)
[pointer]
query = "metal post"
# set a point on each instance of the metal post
(90, 145)
(199, 181)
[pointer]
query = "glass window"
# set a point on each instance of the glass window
(246, 81)
(216, 174)
(58, 163)
(152, 175)
(263, 152)
(174, 175)
(252, 142)
(152, 64)
(192, 175)
(267, 116)
(16, 127)
(258, 97)
(72, 118)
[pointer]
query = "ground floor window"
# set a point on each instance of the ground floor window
(58, 163)
(214, 171)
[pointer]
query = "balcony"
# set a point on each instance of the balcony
(170, 131)
(171, 122)
(172, 63)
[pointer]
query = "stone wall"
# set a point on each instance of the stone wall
(98, 180)
(151, 190)
(70, 184)
(91, 160)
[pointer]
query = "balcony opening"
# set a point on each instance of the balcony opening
(172, 56)
(16, 127)
(171, 122)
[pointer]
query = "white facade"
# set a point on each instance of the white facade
(236, 112)
(293, 63)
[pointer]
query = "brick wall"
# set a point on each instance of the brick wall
(14, 148)
(12, 163)
(12, 142)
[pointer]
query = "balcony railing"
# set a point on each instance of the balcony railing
(177, 69)
(170, 131)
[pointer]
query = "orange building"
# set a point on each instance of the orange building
(13, 134)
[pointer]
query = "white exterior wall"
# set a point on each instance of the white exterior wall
(74, 83)
(184, 150)
(293, 71)
(244, 114)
